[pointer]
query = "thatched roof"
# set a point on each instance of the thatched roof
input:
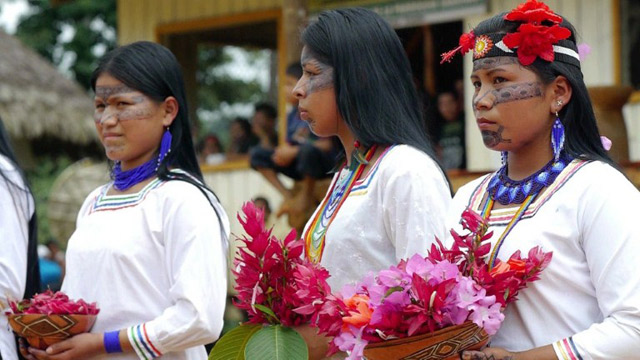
(36, 100)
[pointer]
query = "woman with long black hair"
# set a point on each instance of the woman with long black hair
(557, 189)
(389, 199)
(150, 247)
(19, 271)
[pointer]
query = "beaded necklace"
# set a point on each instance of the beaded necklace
(507, 191)
(523, 192)
(315, 235)
(122, 180)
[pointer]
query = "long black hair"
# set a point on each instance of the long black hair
(582, 138)
(21, 189)
(153, 70)
(373, 82)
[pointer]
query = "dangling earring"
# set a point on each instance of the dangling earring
(165, 146)
(557, 137)
(503, 156)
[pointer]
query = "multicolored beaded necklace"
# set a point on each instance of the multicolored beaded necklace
(507, 191)
(315, 235)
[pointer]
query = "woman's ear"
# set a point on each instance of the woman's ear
(562, 92)
(170, 107)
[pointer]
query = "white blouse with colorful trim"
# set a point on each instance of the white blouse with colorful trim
(587, 301)
(393, 212)
(16, 209)
(155, 262)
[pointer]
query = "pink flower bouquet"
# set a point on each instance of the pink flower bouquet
(50, 317)
(450, 287)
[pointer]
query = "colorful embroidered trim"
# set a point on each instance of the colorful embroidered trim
(363, 184)
(104, 202)
(518, 215)
(510, 225)
(565, 349)
(140, 342)
(501, 217)
(336, 196)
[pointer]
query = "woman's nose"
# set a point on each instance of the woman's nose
(299, 90)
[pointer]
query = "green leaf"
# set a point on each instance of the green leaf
(267, 311)
(276, 343)
(231, 346)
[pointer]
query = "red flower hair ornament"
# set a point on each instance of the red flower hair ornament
(535, 41)
(530, 40)
(533, 11)
(467, 42)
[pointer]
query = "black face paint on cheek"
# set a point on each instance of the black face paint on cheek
(491, 139)
(520, 91)
(322, 77)
(107, 91)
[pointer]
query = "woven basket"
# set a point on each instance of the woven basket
(40, 331)
(444, 344)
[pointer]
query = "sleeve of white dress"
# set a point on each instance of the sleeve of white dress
(196, 254)
(415, 202)
(16, 208)
(611, 243)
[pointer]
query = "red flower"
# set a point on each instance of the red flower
(533, 12)
(467, 42)
(50, 303)
(535, 41)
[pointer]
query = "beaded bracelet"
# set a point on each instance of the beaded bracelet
(112, 342)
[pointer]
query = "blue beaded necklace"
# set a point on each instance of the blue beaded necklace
(506, 191)
(122, 180)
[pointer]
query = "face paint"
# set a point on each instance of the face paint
(489, 63)
(492, 138)
(106, 92)
(321, 74)
(519, 91)
(137, 107)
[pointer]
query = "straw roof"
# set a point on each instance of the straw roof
(36, 100)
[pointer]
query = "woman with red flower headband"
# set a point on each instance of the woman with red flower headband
(557, 189)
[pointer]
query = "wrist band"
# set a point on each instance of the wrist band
(112, 342)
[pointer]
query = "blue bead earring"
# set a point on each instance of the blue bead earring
(557, 135)
(165, 147)
(504, 155)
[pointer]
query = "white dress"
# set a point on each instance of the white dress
(587, 301)
(393, 212)
(16, 209)
(155, 262)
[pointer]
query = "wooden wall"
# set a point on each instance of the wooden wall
(137, 19)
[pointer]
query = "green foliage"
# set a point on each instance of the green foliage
(231, 345)
(219, 90)
(257, 342)
(276, 342)
(41, 179)
(93, 24)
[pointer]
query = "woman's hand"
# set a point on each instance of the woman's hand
(488, 354)
(81, 346)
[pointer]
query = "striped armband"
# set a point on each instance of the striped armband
(566, 350)
(141, 343)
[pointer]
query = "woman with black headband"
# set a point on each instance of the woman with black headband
(557, 189)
